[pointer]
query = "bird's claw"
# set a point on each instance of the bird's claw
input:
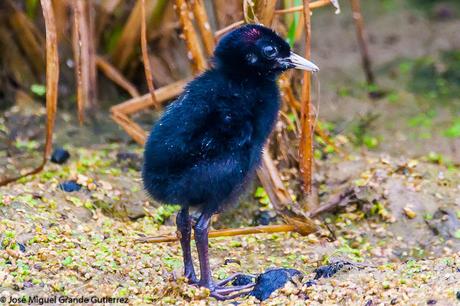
(227, 293)
(221, 291)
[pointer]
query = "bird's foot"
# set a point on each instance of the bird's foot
(238, 279)
(243, 284)
(228, 293)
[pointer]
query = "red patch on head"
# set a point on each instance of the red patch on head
(252, 34)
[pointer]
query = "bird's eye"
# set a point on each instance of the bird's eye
(270, 52)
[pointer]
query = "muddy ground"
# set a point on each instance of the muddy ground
(400, 229)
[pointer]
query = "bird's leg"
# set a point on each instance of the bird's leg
(184, 226)
(201, 239)
(218, 291)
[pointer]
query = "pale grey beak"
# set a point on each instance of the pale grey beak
(298, 62)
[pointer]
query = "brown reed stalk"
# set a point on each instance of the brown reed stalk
(202, 21)
(52, 79)
(191, 39)
(145, 56)
(115, 76)
(362, 41)
(306, 135)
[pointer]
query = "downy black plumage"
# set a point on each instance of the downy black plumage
(209, 142)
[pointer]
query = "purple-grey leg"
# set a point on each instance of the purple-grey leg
(201, 239)
(184, 226)
(218, 291)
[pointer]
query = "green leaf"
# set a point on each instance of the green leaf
(67, 261)
(370, 141)
(38, 89)
(454, 130)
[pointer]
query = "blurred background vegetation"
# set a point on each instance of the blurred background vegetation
(414, 47)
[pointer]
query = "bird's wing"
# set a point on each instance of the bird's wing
(179, 139)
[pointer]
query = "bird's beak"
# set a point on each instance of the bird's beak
(298, 62)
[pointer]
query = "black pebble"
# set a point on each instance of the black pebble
(431, 302)
(458, 295)
(60, 156)
(272, 280)
(69, 186)
(242, 280)
(22, 247)
(264, 218)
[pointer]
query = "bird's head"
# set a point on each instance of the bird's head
(255, 49)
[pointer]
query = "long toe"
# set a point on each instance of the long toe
(238, 279)
(228, 293)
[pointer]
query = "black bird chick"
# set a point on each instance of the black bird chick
(209, 142)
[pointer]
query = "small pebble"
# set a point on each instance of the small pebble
(431, 302)
(458, 295)
(409, 213)
(264, 218)
(69, 186)
(22, 247)
(60, 156)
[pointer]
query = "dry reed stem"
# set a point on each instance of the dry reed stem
(85, 62)
(273, 185)
(228, 28)
(52, 79)
(289, 97)
(162, 94)
(61, 16)
(113, 74)
(306, 135)
(362, 41)
(77, 50)
(228, 233)
(312, 5)
(265, 11)
(30, 39)
(129, 37)
(132, 129)
(191, 39)
(201, 17)
(52, 74)
(145, 57)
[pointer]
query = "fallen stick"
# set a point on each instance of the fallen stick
(228, 233)
(162, 94)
